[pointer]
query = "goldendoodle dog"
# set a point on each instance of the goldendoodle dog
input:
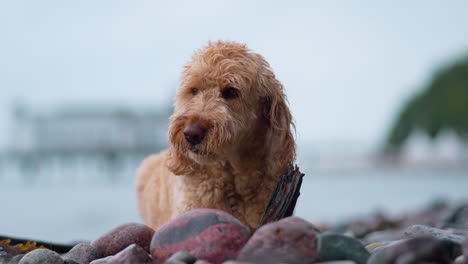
(230, 139)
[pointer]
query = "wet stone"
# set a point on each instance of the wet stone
(82, 253)
(417, 250)
(290, 240)
(16, 259)
(41, 256)
(421, 230)
(131, 254)
(207, 234)
(334, 246)
(121, 237)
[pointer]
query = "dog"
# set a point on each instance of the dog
(230, 139)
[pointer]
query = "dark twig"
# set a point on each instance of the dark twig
(284, 197)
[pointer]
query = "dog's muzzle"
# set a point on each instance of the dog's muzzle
(194, 133)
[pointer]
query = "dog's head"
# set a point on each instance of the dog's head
(228, 105)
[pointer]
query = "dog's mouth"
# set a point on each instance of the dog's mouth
(197, 151)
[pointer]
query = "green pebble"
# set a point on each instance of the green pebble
(334, 246)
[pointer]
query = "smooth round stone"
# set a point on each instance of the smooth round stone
(417, 250)
(290, 240)
(208, 234)
(421, 230)
(334, 246)
(121, 237)
(16, 259)
(82, 253)
(131, 254)
(41, 256)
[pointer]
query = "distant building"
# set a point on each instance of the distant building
(81, 129)
(82, 143)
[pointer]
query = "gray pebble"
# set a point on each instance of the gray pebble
(41, 256)
(82, 253)
(421, 230)
(16, 259)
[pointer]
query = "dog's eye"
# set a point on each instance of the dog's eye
(230, 93)
(194, 91)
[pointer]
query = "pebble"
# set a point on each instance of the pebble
(82, 253)
(290, 240)
(207, 234)
(421, 230)
(334, 246)
(416, 250)
(131, 254)
(182, 257)
(41, 256)
(121, 237)
(16, 259)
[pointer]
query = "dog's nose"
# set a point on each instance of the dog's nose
(194, 133)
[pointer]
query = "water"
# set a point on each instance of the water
(58, 210)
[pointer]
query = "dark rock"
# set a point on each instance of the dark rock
(131, 254)
(183, 257)
(41, 256)
(82, 253)
(290, 240)
(416, 251)
(121, 237)
(16, 259)
(421, 230)
(208, 234)
(333, 246)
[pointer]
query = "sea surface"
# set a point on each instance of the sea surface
(65, 208)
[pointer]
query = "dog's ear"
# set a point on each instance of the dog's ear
(179, 164)
(278, 119)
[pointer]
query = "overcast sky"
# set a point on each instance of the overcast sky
(347, 66)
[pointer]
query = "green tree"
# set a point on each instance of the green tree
(443, 104)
